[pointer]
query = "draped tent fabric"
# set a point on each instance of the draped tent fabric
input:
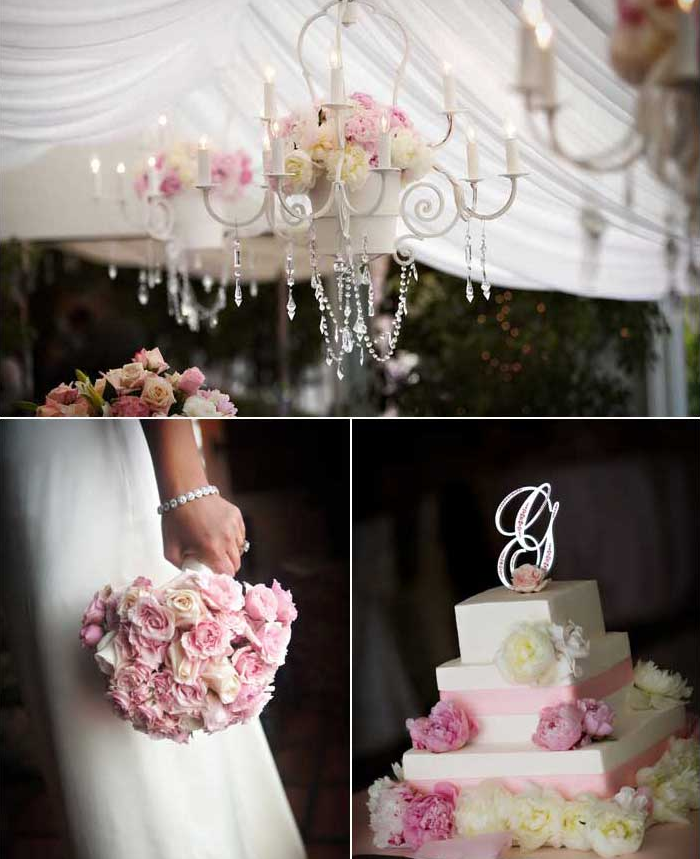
(77, 71)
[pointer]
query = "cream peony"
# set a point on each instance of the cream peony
(527, 655)
(186, 605)
(199, 407)
(221, 677)
(303, 177)
(484, 809)
(411, 154)
(674, 781)
(615, 831)
(319, 141)
(183, 158)
(657, 689)
(355, 166)
(535, 818)
(576, 821)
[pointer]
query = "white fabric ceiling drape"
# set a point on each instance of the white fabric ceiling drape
(79, 70)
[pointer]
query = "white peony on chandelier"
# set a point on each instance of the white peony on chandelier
(340, 176)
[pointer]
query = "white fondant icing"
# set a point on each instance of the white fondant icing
(635, 732)
(606, 650)
(484, 621)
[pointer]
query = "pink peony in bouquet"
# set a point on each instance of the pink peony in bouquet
(139, 389)
(177, 172)
(197, 653)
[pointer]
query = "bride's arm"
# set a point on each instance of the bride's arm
(210, 529)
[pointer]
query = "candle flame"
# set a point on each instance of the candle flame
(385, 122)
(152, 161)
(447, 68)
(334, 59)
(509, 128)
(686, 5)
(162, 120)
(269, 74)
(471, 134)
(203, 141)
(532, 12)
(543, 34)
(275, 129)
(121, 168)
(95, 165)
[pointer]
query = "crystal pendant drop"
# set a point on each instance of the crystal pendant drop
(347, 340)
(207, 283)
(485, 285)
(469, 291)
(213, 322)
(469, 288)
(253, 289)
(362, 356)
(339, 373)
(142, 294)
(112, 271)
(238, 293)
(329, 358)
(291, 306)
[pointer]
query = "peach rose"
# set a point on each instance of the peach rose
(221, 677)
(151, 360)
(185, 670)
(132, 376)
(528, 579)
(157, 394)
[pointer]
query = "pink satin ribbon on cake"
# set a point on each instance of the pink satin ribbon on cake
(523, 700)
(488, 846)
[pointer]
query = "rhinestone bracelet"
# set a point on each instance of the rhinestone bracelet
(192, 495)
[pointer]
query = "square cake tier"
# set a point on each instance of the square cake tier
(484, 620)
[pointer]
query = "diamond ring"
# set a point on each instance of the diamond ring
(246, 547)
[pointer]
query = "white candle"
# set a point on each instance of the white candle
(162, 122)
(203, 163)
(266, 150)
(153, 177)
(269, 98)
(472, 155)
(449, 87)
(512, 153)
(529, 79)
(337, 83)
(277, 149)
(543, 34)
(96, 177)
(121, 191)
(385, 143)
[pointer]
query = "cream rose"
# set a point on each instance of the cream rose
(132, 376)
(614, 831)
(527, 655)
(107, 654)
(355, 167)
(185, 670)
(129, 599)
(411, 154)
(657, 689)
(221, 677)
(303, 177)
(185, 604)
(485, 809)
(535, 818)
(199, 407)
(157, 394)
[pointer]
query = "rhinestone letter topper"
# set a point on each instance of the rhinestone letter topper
(537, 499)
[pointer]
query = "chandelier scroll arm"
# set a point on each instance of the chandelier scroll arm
(158, 203)
(367, 213)
(471, 211)
(206, 195)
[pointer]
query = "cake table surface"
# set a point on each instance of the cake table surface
(664, 841)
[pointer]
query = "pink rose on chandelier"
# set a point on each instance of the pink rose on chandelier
(176, 171)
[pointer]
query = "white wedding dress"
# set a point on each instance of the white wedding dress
(80, 504)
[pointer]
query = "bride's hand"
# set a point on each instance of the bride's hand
(209, 530)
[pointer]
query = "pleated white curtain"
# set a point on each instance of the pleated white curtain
(80, 70)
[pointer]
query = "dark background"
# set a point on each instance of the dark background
(290, 479)
(425, 494)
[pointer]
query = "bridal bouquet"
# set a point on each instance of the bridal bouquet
(198, 653)
(315, 151)
(140, 389)
(176, 171)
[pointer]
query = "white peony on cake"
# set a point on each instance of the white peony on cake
(543, 729)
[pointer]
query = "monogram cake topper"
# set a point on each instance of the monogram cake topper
(534, 576)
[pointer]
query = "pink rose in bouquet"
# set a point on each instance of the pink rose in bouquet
(430, 817)
(447, 728)
(188, 655)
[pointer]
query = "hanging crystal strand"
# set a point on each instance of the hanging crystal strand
(291, 304)
(367, 277)
(112, 271)
(237, 291)
(485, 285)
(253, 286)
(208, 283)
(469, 289)
(142, 293)
(349, 279)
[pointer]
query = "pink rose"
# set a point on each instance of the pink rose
(91, 634)
(286, 610)
(398, 118)
(151, 360)
(121, 702)
(261, 603)
(151, 619)
(163, 683)
(95, 612)
(142, 582)
(446, 729)
(249, 703)
(251, 668)
(187, 698)
(220, 593)
(64, 394)
(129, 407)
(560, 728)
(364, 100)
(274, 640)
(430, 817)
(171, 183)
(130, 677)
(215, 715)
(81, 408)
(528, 579)
(147, 716)
(190, 380)
(598, 717)
(207, 638)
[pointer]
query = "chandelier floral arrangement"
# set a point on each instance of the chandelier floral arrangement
(341, 176)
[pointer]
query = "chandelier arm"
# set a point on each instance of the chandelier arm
(155, 204)
(448, 134)
(132, 222)
(471, 212)
(206, 194)
(403, 254)
(297, 211)
(287, 235)
(373, 208)
(593, 163)
(329, 202)
(424, 212)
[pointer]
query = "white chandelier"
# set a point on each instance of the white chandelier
(354, 225)
(666, 133)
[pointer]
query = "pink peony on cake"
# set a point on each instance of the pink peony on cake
(543, 728)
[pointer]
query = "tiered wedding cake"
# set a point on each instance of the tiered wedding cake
(507, 714)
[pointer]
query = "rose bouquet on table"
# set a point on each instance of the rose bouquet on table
(197, 653)
(313, 150)
(176, 171)
(139, 389)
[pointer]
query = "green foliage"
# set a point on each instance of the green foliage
(522, 352)
(692, 354)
